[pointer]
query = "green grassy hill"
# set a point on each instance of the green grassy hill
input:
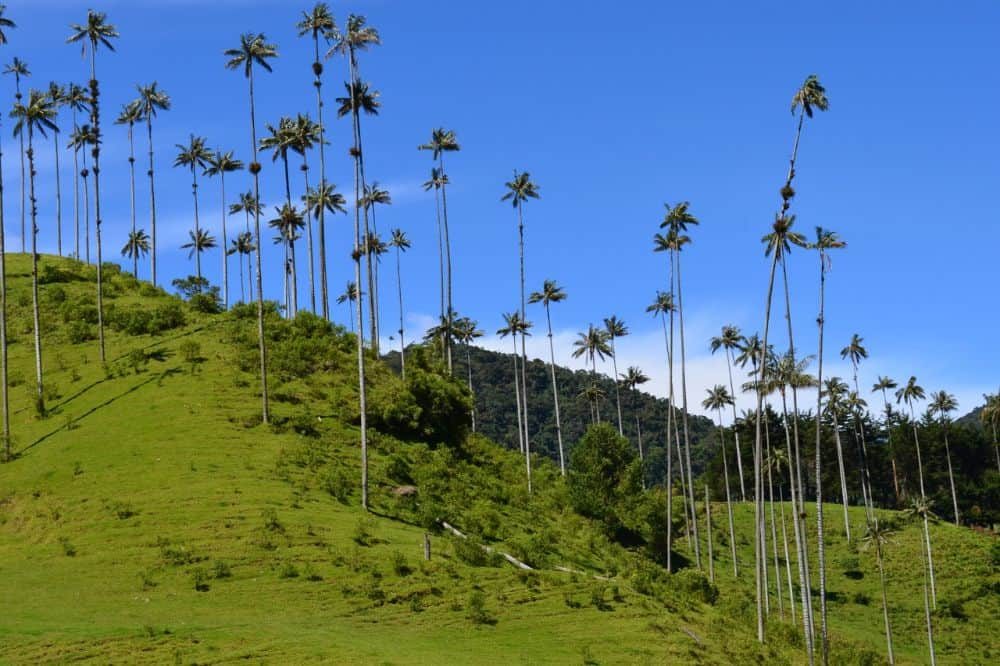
(150, 517)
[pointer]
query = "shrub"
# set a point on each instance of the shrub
(136, 360)
(694, 585)
(200, 578)
(271, 522)
(400, 565)
(68, 549)
(362, 532)
(604, 477)
(78, 332)
(338, 483)
(55, 294)
(471, 552)
(221, 570)
(476, 607)
(288, 570)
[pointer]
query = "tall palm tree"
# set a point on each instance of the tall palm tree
(136, 246)
(318, 23)
(883, 385)
(943, 403)
(76, 99)
(193, 156)
(243, 246)
(375, 195)
(219, 164)
(305, 136)
(443, 141)
(515, 325)
(130, 114)
(519, 190)
(350, 296)
(466, 332)
(254, 50)
(152, 100)
(593, 345)
(856, 352)
(82, 139)
(19, 69)
(99, 33)
(38, 115)
(279, 140)
(910, 394)
(730, 340)
(549, 294)
(826, 240)
(921, 508)
(402, 244)
(878, 536)
(200, 241)
(717, 400)
(990, 415)
(57, 93)
(835, 390)
(631, 379)
(7, 453)
(661, 307)
(436, 182)
(677, 220)
(616, 328)
(288, 224)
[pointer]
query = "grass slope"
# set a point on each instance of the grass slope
(151, 518)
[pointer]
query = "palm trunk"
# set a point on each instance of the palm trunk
(131, 174)
(243, 291)
(468, 366)
(524, 353)
(670, 476)
(774, 537)
(225, 247)
(885, 603)
(255, 168)
(843, 476)
(676, 428)
(4, 401)
(440, 238)
(788, 559)
(399, 286)
(197, 226)
(820, 534)
(923, 496)
(362, 397)
(324, 296)
(708, 531)
(797, 529)
(152, 202)
(729, 503)
(96, 115)
(927, 605)
(55, 145)
(618, 395)
(309, 240)
(76, 189)
(86, 212)
(447, 246)
(356, 116)
(684, 406)
(951, 476)
(555, 394)
(517, 398)
(892, 451)
(17, 80)
(37, 329)
(736, 432)
(293, 292)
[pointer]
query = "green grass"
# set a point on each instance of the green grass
(150, 517)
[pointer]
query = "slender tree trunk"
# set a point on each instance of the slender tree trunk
(708, 531)
(399, 286)
(788, 559)
(820, 534)
(358, 185)
(674, 419)
(684, 404)
(555, 393)
(356, 116)
(517, 398)
(24, 183)
(152, 202)
(736, 432)
(309, 240)
(225, 247)
(4, 400)
(797, 529)
(131, 174)
(324, 296)
(927, 529)
(885, 603)
(440, 238)
(892, 451)
(729, 503)
(927, 605)
(774, 535)
(37, 329)
(55, 145)
(618, 395)
(670, 476)
(86, 212)
(96, 116)
(524, 353)
(261, 342)
(197, 226)
(243, 291)
(843, 476)
(76, 189)
(951, 475)
(291, 269)
(468, 365)
(447, 247)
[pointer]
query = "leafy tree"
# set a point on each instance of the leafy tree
(923, 509)
(193, 156)
(604, 477)
(442, 141)
(350, 296)
(593, 344)
(200, 241)
(884, 385)
(877, 536)
(242, 245)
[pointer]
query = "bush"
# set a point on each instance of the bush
(221, 570)
(694, 585)
(471, 552)
(288, 570)
(604, 477)
(476, 607)
(200, 577)
(78, 332)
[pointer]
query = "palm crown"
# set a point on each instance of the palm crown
(195, 154)
(5, 23)
(550, 293)
(593, 343)
(730, 339)
(316, 22)
(717, 398)
(96, 31)
(942, 403)
(37, 115)
(357, 35)
(152, 99)
(855, 350)
(442, 141)
(253, 50)
(662, 304)
(781, 238)
(811, 95)
(910, 393)
(520, 189)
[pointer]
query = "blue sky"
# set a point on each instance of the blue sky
(614, 110)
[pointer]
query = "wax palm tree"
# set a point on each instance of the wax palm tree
(835, 390)
(515, 325)
(677, 219)
(199, 241)
(661, 307)
(943, 403)
(136, 246)
(718, 399)
(76, 99)
(549, 294)
(98, 33)
(631, 379)
(990, 416)
(443, 141)
(57, 93)
(254, 50)
(884, 385)
(350, 296)
(19, 69)
(616, 328)
(243, 246)
(130, 114)
(288, 224)
(921, 508)
(195, 155)
(373, 196)
(856, 352)
(731, 340)
(37, 115)
(593, 345)
(436, 182)
(402, 244)
(219, 164)
(466, 332)
(279, 140)
(878, 536)
(82, 139)
(7, 453)
(910, 394)
(520, 190)
(249, 206)
(152, 100)
(305, 134)
(319, 201)
(318, 23)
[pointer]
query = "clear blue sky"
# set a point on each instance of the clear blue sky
(614, 109)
